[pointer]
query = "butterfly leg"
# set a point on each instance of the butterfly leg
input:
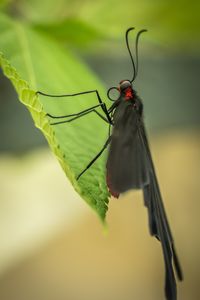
(77, 115)
(102, 104)
(95, 158)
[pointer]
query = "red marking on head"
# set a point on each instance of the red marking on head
(128, 93)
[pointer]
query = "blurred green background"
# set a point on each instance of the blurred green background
(52, 244)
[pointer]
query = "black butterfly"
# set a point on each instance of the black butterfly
(129, 164)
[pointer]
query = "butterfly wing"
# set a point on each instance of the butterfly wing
(158, 223)
(126, 163)
(130, 166)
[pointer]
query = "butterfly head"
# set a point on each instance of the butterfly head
(126, 89)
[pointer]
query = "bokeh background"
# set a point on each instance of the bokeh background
(52, 245)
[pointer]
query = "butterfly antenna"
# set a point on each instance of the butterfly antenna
(136, 52)
(129, 50)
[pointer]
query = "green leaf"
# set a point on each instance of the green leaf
(34, 62)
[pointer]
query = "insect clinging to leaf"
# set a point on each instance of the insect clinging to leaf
(129, 162)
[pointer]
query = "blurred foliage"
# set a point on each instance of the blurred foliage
(173, 23)
(4, 3)
(72, 30)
